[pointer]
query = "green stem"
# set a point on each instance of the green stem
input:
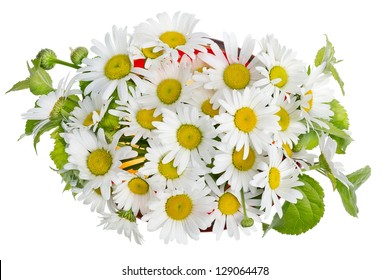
(59, 61)
(243, 203)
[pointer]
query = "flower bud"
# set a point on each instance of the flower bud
(47, 57)
(77, 55)
(247, 222)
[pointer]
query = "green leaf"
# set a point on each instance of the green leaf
(305, 214)
(20, 85)
(342, 138)
(342, 144)
(45, 128)
(58, 155)
(306, 141)
(340, 117)
(337, 77)
(40, 81)
(348, 195)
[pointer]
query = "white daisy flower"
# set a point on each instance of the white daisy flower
(137, 120)
(151, 57)
(328, 150)
(170, 35)
(112, 67)
(166, 175)
(229, 211)
(50, 106)
(89, 113)
(181, 213)
(230, 69)
(201, 99)
(248, 120)
(289, 121)
(97, 161)
(315, 98)
(95, 199)
(187, 136)
(278, 179)
(133, 193)
(302, 159)
(236, 170)
(281, 71)
(168, 86)
(123, 223)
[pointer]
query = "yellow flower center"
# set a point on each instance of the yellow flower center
(278, 72)
(228, 204)
(284, 119)
(148, 53)
(117, 67)
(189, 136)
(310, 102)
(207, 108)
(168, 91)
(243, 164)
(138, 186)
(145, 118)
(178, 207)
(99, 162)
(89, 120)
(168, 170)
(245, 119)
(173, 39)
(236, 76)
(274, 178)
(287, 149)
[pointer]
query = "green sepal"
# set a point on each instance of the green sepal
(58, 154)
(348, 194)
(305, 214)
(307, 141)
(25, 84)
(40, 82)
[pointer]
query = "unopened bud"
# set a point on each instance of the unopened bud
(247, 222)
(47, 58)
(77, 55)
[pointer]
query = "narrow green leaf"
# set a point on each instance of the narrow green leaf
(319, 57)
(20, 85)
(337, 77)
(342, 144)
(360, 176)
(305, 214)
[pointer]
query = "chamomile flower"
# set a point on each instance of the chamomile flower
(201, 99)
(229, 212)
(315, 98)
(166, 175)
(302, 159)
(151, 57)
(89, 113)
(170, 35)
(136, 119)
(328, 150)
(187, 136)
(230, 69)
(112, 67)
(234, 168)
(180, 214)
(289, 121)
(50, 107)
(133, 193)
(124, 222)
(168, 86)
(97, 161)
(281, 72)
(95, 199)
(278, 179)
(248, 120)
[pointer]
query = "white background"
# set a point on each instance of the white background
(45, 234)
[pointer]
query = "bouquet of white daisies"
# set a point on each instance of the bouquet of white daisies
(167, 126)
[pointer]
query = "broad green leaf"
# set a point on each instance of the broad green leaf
(30, 124)
(306, 141)
(340, 117)
(20, 85)
(342, 144)
(348, 195)
(305, 214)
(58, 155)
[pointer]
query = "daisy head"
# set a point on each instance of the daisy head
(229, 212)
(188, 137)
(135, 193)
(97, 161)
(168, 86)
(170, 36)
(281, 72)
(112, 68)
(248, 120)
(289, 121)
(229, 68)
(180, 214)
(201, 99)
(278, 179)
(95, 199)
(235, 169)
(166, 175)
